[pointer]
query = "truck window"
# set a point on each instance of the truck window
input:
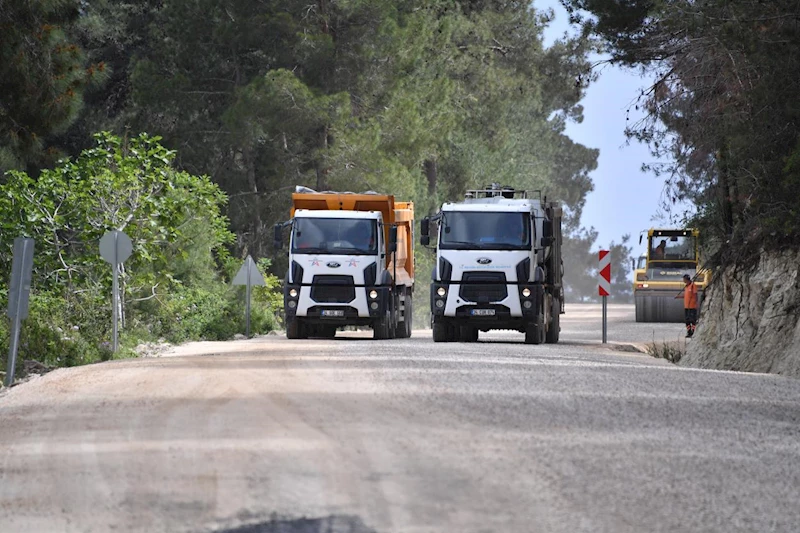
(485, 231)
(341, 236)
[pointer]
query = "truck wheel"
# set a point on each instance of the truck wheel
(404, 328)
(295, 329)
(382, 327)
(555, 325)
(409, 315)
(468, 334)
(534, 332)
(441, 332)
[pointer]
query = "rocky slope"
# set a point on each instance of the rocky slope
(750, 320)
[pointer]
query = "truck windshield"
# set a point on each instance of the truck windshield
(342, 236)
(485, 231)
(673, 248)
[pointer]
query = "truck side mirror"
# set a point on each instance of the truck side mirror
(425, 231)
(393, 239)
(633, 264)
(278, 239)
(547, 230)
(640, 238)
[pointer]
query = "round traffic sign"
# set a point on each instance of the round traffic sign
(115, 247)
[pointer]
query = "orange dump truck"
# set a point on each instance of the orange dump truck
(351, 263)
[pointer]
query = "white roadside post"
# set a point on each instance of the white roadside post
(604, 288)
(18, 293)
(115, 248)
(248, 275)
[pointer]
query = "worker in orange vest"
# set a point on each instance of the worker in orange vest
(691, 307)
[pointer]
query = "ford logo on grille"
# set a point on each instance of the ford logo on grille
(484, 261)
(334, 264)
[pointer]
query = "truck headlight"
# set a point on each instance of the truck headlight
(526, 292)
(439, 303)
(373, 294)
(292, 304)
(527, 304)
(293, 293)
(441, 291)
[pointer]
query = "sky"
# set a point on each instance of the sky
(625, 199)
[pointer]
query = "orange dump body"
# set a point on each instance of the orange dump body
(400, 214)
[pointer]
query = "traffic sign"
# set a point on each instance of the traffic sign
(21, 272)
(115, 247)
(604, 288)
(248, 275)
(18, 293)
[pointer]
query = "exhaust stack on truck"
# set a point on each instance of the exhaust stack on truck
(351, 263)
(498, 266)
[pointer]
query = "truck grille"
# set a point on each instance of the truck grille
(483, 287)
(333, 289)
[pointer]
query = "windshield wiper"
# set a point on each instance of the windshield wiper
(310, 251)
(463, 243)
(345, 251)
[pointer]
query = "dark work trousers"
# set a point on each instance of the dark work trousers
(691, 321)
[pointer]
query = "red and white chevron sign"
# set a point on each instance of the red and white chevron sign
(604, 288)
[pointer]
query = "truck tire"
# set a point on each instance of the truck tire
(468, 334)
(295, 329)
(441, 332)
(555, 324)
(382, 327)
(404, 327)
(534, 332)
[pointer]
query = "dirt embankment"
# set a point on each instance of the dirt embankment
(750, 320)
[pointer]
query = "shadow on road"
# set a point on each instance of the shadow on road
(330, 524)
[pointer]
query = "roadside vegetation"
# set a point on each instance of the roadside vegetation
(176, 285)
(672, 351)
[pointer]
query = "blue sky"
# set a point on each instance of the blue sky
(625, 199)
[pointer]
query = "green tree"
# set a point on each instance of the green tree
(723, 109)
(43, 74)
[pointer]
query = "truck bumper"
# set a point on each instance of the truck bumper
(513, 312)
(361, 311)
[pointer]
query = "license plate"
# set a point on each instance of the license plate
(332, 312)
(482, 312)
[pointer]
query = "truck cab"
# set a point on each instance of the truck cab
(498, 266)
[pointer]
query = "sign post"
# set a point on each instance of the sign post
(115, 248)
(248, 275)
(18, 296)
(604, 288)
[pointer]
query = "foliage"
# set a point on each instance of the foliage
(171, 286)
(419, 98)
(723, 109)
(671, 351)
(42, 77)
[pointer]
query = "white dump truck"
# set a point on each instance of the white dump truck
(498, 266)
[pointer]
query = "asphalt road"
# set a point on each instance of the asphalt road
(352, 435)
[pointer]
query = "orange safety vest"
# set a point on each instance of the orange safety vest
(690, 296)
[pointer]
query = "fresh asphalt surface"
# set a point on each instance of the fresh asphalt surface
(352, 435)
